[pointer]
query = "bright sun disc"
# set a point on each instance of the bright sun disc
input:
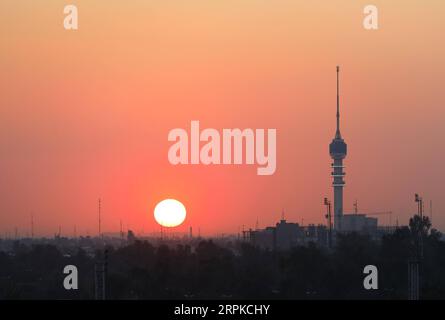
(170, 213)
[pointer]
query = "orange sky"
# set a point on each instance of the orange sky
(86, 114)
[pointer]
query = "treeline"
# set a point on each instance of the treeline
(240, 271)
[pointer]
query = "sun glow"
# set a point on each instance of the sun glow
(170, 213)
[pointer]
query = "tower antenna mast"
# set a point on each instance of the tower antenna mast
(337, 133)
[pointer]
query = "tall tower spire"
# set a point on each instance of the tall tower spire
(338, 151)
(337, 133)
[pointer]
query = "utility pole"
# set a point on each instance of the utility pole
(420, 209)
(415, 262)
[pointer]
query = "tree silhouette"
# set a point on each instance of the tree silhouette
(237, 270)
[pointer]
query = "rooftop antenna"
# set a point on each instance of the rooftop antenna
(355, 207)
(282, 214)
(121, 231)
(256, 224)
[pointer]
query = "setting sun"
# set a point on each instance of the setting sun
(170, 213)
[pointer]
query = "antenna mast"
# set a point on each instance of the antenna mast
(100, 232)
(431, 211)
(32, 226)
(338, 103)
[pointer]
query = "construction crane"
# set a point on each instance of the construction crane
(374, 213)
(382, 213)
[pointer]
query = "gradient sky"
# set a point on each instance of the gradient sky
(85, 114)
